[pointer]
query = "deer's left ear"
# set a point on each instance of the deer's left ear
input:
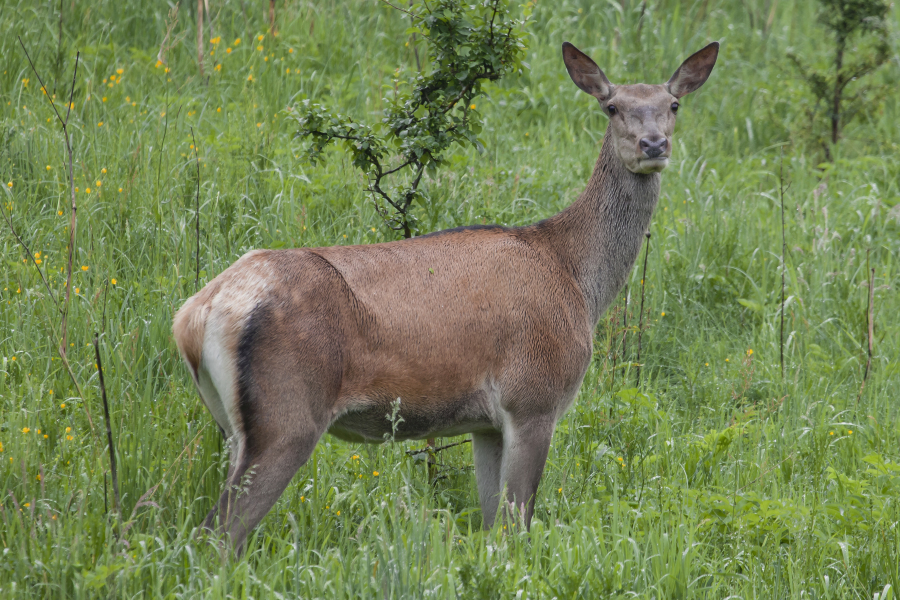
(694, 71)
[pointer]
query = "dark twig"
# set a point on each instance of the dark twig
(197, 155)
(109, 437)
(637, 377)
(417, 451)
(870, 331)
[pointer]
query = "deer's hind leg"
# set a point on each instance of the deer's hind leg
(288, 379)
(258, 478)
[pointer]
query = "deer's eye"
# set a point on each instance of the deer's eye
(611, 108)
(675, 106)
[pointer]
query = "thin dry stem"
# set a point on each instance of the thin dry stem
(109, 437)
(870, 329)
(73, 223)
(637, 377)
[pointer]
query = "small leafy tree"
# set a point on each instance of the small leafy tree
(469, 43)
(860, 38)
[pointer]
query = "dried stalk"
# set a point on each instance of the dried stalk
(870, 330)
(637, 377)
(73, 221)
(109, 437)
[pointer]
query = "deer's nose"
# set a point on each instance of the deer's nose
(653, 147)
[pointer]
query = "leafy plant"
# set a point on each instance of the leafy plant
(859, 33)
(433, 111)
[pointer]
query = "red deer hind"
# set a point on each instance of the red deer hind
(484, 330)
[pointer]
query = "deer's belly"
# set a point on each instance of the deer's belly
(377, 420)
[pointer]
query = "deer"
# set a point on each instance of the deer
(484, 330)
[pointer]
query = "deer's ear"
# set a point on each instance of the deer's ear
(585, 73)
(694, 71)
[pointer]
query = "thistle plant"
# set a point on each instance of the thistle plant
(431, 112)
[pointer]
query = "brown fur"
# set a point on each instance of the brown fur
(485, 330)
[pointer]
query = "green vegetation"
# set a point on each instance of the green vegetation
(432, 111)
(861, 46)
(714, 477)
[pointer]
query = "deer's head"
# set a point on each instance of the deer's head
(642, 116)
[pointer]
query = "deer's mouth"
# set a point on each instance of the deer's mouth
(653, 165)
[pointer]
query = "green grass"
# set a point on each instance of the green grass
(715, 477)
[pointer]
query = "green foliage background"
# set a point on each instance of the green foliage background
(712, 478)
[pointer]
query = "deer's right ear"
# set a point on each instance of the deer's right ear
(585, 73)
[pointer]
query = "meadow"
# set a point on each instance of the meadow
(707, 473)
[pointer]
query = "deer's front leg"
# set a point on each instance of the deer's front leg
(525, 446)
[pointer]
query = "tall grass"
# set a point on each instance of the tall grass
(715, 477)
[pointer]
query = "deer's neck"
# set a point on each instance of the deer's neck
(599, 237)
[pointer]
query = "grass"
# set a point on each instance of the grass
(713, 477)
